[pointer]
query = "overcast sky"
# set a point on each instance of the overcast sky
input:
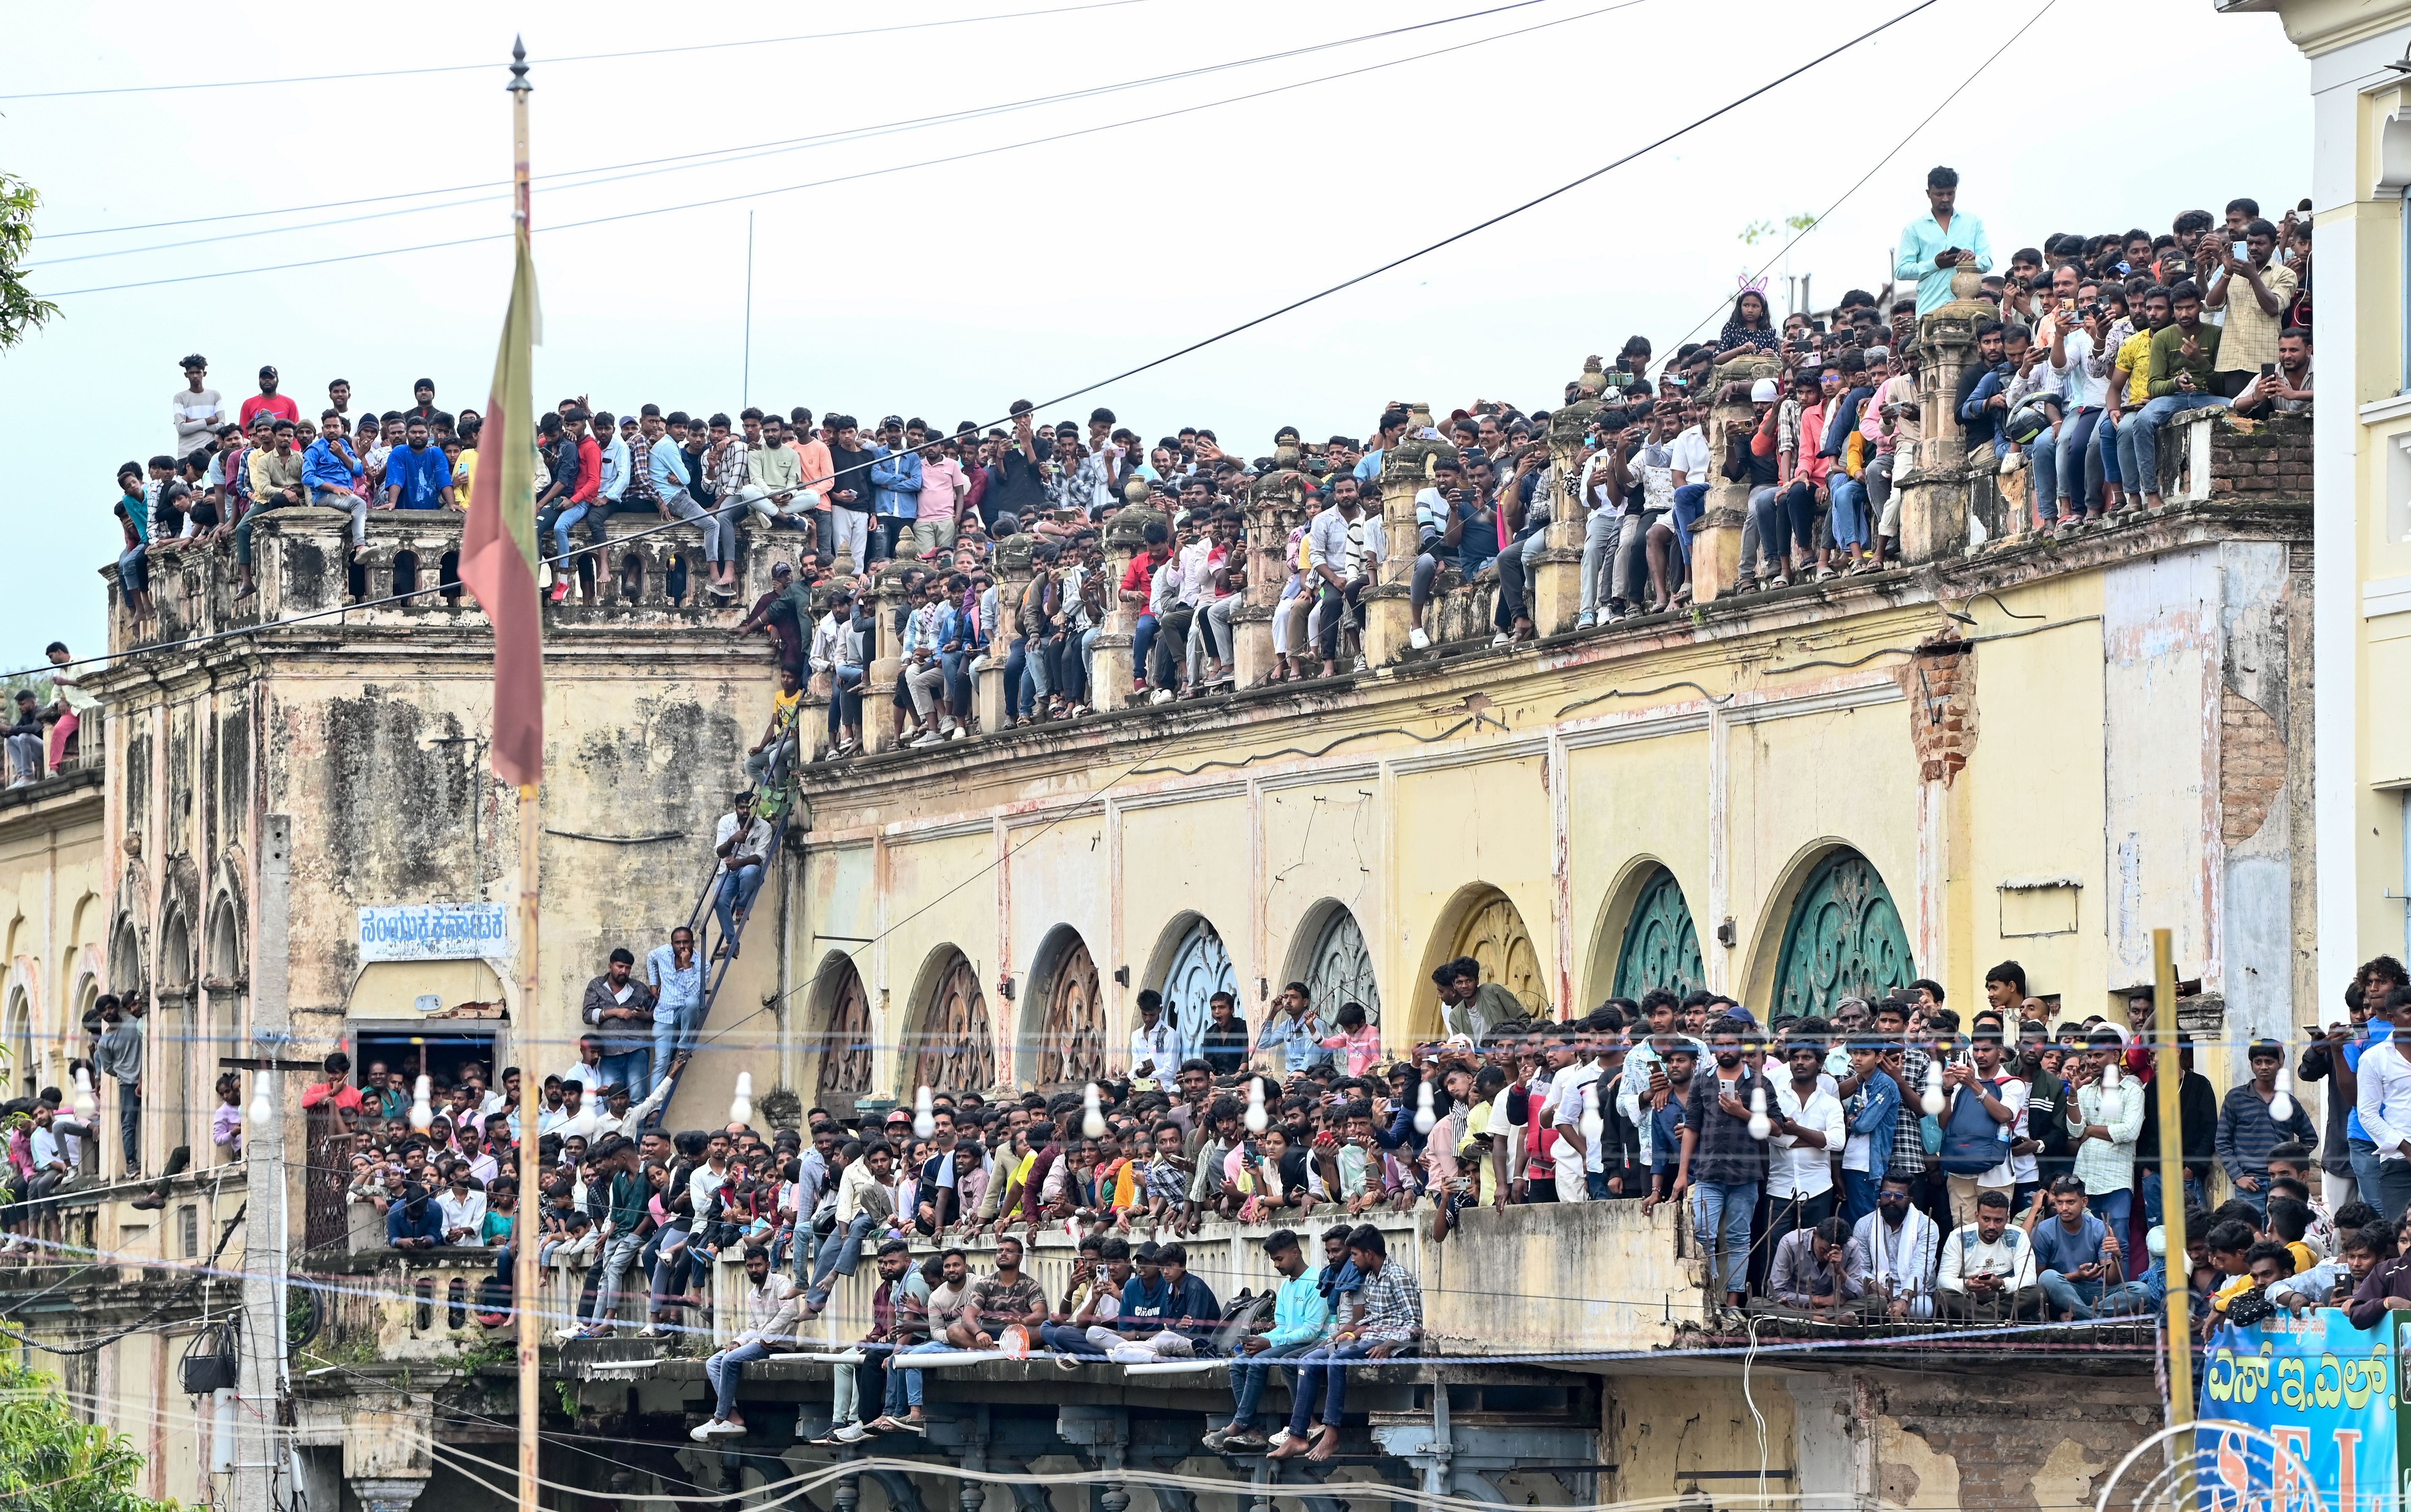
(947, 291)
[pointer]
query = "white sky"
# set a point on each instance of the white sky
(948, 291)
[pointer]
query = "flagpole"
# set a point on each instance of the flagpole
(526, 1274)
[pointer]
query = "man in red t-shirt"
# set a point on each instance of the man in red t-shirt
(1138, 586)
(336, 1088)
(270, 402)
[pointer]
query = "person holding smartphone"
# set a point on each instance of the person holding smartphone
(2254, 288)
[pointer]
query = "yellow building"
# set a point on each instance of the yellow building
(2361, 175)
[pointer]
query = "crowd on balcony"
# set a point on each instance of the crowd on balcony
(2089, 345)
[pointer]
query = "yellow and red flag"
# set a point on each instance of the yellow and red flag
(498, 553)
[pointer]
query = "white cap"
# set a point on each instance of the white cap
(1763, 391)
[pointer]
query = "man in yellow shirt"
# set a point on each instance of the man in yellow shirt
(2123, 395)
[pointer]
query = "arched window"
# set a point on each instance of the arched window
(1661, 944)
(952, 1048)
(1200, 968)
(17, 1043)
(1337, 969)
(845, 1042)
(1493, 935)
(1070, 1045)
(1844, 938)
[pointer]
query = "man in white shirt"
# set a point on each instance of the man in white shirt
(621, 1117)
(742, 842)
(587, 1071)
(564, 1119)
(1345, 549)
(1572, 1108)
(1898, 1243)
(463, 1208)
(1157, 1047)
(1988, 1267)
(865, 1202)
(2383, 1102)
(1807, 1130)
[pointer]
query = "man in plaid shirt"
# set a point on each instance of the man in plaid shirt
(1386, 1320)
(1908, 1156)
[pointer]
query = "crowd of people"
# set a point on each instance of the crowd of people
(2091, 345)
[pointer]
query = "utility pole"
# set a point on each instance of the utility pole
(259, 1450)
(745, 388)
(2168, 1080)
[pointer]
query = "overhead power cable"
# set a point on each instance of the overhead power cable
(196, 641)
(867, 173)
(576, 57)
(677, 161)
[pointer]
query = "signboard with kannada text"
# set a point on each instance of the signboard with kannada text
(435, 931)
(2327, 1392)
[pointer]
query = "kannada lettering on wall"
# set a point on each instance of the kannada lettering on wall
(2328, 1394)
(435, 931)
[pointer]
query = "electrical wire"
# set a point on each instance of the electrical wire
(1897, 149)
(902, 168)
(48, 669)
(576, 57)
(736, 155)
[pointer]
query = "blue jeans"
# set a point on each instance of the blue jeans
(1594, 1186)
(1321, 1382)
(737, 890)
(1859, 1189)
(2101, 452)
(904, 1385)
(840, 1253)
(1015, 666)
(2042, 456)
(958, 682)
(2362, 1154)
(1689, 500)
(1142, 640)
(1721, 1212)
(1249, 1373)
(676, 1036)
(633, 1069)
(2075, 435)
(722, 1370)
(846, 682)
(2113, 1208)
(2194, 1196)
(1069, 1339)
(565, 517)
(2147, 424)
(1849, 498)
(2087, 1299)
(134, 570)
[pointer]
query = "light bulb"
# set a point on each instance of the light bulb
(263, 1108)
(421, 1112)
(1424, 1117)
(925, 1123)
(1759, 1125)
(2110, 1074)
(741, 1108)
(1092, 1120)
(1934, 1088)
(87, 1107)
(2281, 1107)
(1256, 1120)
(1594, 1123)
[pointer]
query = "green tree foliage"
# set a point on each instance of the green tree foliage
(51, 1463)
(20, 313)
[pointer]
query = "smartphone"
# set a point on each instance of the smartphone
(2242, 250)
(2268, 368)
(2314, 1031)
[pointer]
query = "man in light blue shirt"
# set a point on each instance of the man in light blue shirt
(1934, 246)
(1301, 1316)
(1295, 1031)
(674, 972)
(1394, 429)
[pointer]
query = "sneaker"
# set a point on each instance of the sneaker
(1281, 1437)
(721, 1428)
(848, 1433)
(560, 590)
(1501, 638)
(1215, 1439)
(1161, 695)
(572, 1332)
(1248, 1442)
(649, 1331)
(703, 1431)
(929, 738)
(958, 733)
(1418, 639)
(1586, 619)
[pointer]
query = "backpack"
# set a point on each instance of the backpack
(1971, 1140)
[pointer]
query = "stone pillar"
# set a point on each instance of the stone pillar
(1716, 540)
(1012, 563)
(1125, 537)
(1936, 501)
(888, 663)
(388, 1493)
(1274, 502)
(1557, 580)
(1407, 471)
